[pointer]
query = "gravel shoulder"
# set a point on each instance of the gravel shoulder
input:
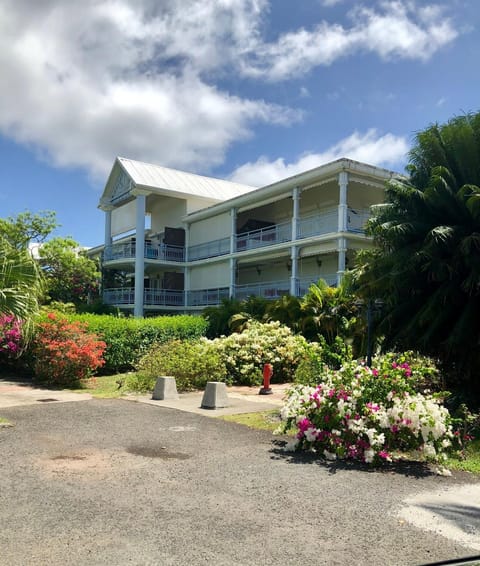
(113, 481)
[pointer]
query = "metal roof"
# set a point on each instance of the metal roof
(161, 179)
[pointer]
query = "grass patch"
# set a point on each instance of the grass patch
(265, 420)
(5, 423)
(105, 386)
(471, 463)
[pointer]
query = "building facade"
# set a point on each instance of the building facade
(178, 242)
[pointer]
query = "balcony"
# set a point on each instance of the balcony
(276, 234)
(268, 290)
(151, 297)
(207, 297)
(318, 224)
(126, 250)
(209, 249)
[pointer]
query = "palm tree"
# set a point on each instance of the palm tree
(21, 283)
(328, 311)
(427, 263)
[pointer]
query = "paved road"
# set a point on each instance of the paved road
(115, 482)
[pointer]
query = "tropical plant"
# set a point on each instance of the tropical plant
(328, 311)
(21, 284)
(426, 266)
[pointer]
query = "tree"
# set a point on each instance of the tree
(27, 227)
(70, 276)
(426, 266)
(21, 283)
(328, 311)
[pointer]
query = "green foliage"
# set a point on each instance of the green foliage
(70, 275)
(318, 357)
(21, 284)
(128, 339)
(26, 227)
(426, 266)
(329, 311)
(260, 343)
(192, 363)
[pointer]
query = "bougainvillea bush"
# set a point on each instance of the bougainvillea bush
(246, 353)
(63, 353)
(371, 415)
(11, 340)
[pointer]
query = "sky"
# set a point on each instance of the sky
(247, 90)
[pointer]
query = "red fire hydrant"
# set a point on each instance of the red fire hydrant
(267, 374)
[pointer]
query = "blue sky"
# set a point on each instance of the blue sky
(248, 90)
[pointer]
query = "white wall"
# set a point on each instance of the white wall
(166, 211)
(124, 218)
(213, 228)
(210, 276)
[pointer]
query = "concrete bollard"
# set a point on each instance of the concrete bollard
(215, 395)
(165, 388)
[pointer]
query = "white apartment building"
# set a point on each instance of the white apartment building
(178, 242)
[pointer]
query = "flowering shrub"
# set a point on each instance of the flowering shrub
(370, 415)
(10, 336)
(261, 343)
(64, 352)
(192, 363)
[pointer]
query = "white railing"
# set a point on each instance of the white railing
(317, 224)
(205, 297)
(209, 249)
(126, 250)
(305, 282)
(160, 297)
(356, 220)
(264, 237)
(268, 290)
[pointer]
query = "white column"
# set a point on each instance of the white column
(296, 212)
(233, 230)
(233, 249)
(342, 201)
(108, 227)
(342, 253)
(233, 277)
(187, 268)
(139, 254)
(294, 276)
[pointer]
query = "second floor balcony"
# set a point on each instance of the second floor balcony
(127, 250)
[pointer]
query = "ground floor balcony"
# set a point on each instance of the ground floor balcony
(271, 290)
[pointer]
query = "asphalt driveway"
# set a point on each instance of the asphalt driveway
(117, 482)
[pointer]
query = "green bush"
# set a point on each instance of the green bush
(191, 363)
(320, 356)
(128, 339)
(260, 343)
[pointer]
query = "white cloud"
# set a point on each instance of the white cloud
(397, 30)
(385, 151)
(83, 82)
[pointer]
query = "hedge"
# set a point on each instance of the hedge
(128, 339)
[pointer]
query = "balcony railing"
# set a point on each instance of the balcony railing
(264, 237)
(154, 297)
(126, 250)
(205, 297)
(305, 282)
(209, 249)
(318, 224)
(357, 219)
(268, 290)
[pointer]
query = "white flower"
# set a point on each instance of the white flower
(369, 455)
